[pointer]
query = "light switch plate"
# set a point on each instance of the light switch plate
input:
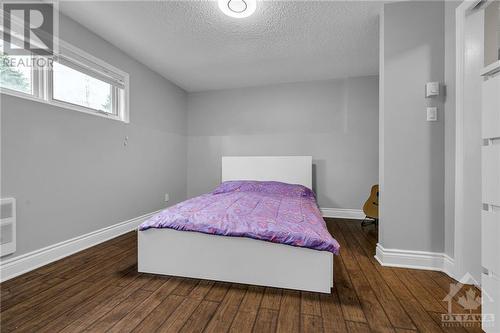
(432, 89)
(432, 113)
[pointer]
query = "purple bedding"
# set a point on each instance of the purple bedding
(269, 211)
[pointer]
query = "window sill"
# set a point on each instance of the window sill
(62, 105)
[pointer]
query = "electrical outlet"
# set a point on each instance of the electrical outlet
(167, 197)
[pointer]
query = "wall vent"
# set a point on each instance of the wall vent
(7, 226)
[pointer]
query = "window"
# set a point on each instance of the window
(72, 86)
(72, 80)
(14, 75)
(17, 78)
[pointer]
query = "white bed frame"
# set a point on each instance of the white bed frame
(240, 259)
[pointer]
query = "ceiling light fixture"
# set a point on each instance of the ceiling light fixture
(238, 8)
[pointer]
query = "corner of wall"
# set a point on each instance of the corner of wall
(381, 124)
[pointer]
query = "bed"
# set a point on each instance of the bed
(257, 253)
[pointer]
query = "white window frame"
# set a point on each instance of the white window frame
(42, 86)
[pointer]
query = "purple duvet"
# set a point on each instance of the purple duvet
(269, 211)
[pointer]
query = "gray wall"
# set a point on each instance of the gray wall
(412, 195)
(334, 121)
(71, 173)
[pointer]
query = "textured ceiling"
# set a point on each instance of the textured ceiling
(197, 47)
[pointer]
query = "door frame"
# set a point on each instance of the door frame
(462, 11)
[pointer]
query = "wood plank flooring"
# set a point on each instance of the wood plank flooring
(99, 290)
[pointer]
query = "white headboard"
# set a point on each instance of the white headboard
(286, 169)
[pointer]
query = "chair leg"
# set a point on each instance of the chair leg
(367, 221)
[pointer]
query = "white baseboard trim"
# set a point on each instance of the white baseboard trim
(11, 268)
(343, 213)
(432, 261)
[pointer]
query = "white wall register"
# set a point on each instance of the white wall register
(7, 226)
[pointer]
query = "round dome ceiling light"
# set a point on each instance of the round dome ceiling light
(238, 8)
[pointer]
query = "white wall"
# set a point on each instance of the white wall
(412, 166)
(335, 121)
(71, 173)
(449, 123)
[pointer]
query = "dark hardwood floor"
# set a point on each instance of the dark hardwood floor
(99, 290)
